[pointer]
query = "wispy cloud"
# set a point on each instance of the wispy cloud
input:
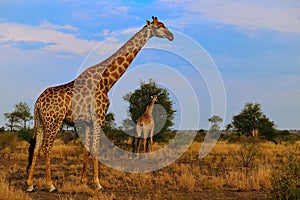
(46, 35)
(46, 25)
(281, 16)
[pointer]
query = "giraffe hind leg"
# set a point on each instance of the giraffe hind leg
(50, 133)
(95, 150)
(34, 150)
(47, 151)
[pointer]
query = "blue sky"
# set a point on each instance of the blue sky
(254, 44)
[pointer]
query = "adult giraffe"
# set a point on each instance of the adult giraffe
(84, 101)
(145, 127)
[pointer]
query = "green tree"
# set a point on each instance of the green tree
(214, 129)
(252, 118)
(109, 122)
(215, 120)
(141, 97)
(127, 124)
(12, 121)
(22, 111)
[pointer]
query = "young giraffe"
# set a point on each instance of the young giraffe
(84, 100)
(145, 126)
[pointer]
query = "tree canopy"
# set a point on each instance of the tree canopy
(252, 118)
(22, 110)
(19, 117)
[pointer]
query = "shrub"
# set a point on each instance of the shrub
(246, 152)
(286, 180)
(25, 134)
(67, 136)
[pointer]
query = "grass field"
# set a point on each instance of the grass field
(220, 175)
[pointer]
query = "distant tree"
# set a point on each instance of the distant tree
(252, 120)
(229, 128)
(127, 124)
(215, 120)
(215, 129)
(22, 111)
(12, 121)
(141, 97)
(117, 137)
(109, 122)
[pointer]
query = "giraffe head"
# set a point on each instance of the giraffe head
(158, 29)
(154, 98)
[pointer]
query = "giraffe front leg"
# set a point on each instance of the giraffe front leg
(96, 175)
(137, 139)
(84, 167)
(145, 145)
(87, 145)
(96, 140)
(151, 139)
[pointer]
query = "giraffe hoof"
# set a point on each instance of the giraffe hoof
(30, 188)
(53, 189)
(98, 186)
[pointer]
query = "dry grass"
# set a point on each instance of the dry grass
(218, 171)
(8, 192)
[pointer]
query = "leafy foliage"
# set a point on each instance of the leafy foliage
(22, 110)
(25, 134)
(12, 121)
(287, 136)
(250, 118)
(118, 137)
(19, 117)
(109, 122)
(214, 129)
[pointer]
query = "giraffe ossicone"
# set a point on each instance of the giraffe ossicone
(83, 103)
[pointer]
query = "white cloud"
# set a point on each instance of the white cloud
(45, 33)
(121, 9)
(46, 25)
(275, 15)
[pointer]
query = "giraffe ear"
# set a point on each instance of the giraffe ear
(151, 97)
(147, 22)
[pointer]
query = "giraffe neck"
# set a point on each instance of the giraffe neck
(111, 69)
(150, 107)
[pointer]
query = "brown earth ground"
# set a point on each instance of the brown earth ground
(217, 176)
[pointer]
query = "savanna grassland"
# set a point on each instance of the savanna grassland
(235, 170)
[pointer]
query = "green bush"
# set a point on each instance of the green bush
(8, 139)
(286, 136)
(286, 180)
(25, 134)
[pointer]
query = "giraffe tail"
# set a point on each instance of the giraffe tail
(31, 151)
(33, 139)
